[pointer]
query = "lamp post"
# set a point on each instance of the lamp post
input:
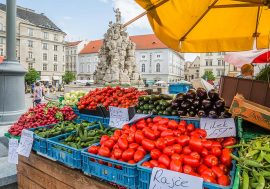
(12, 96)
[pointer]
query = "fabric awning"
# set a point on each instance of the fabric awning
(56, 78)
(45, 78)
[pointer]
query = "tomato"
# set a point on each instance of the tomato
(155, 153)
(196, 155)
(176, 165)
(147, 164)
(218, 172)
(182, 129)
(183, 140)
(149, 120)
(131, 137)
(133, 128)
(187, 169)
(216, 144)
(183, 123)
(160, 143)
(139, 136)
(128, 154)
(210, 160)
(186, 150)
(208, 172)
(201, 132)
(168, 150)
(160, 165)
(131, 161)
(93, 149)
(114, 138)
(224, 180)
(126, 127)
(117, 153)
(117, 133)
(224, 168)
(191, 161)
(195, 144)
(164, 159)
(172, 124)
(176, 133)
(216, 151)
(208, 178)
(169, 140)
(157, 133)
(162, 128)
(230, 141)
(177, 157)
(177, 148)
(149, 133)
(207, 144)
(140, 125)
(104, 138)
(138, 155)
(134, 146)
(104, 151)
(164, 121)
(202, 168)
(122, 143)
(148, 145)
(190, 127)
(226, 158)
(157, 119)
(154, 163)
(167, 132)
(141, 149)
(204, 152)
(109, 143)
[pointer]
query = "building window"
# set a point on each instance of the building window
(45, 35)
(219, 62)
(63, 68)
(55, 58)
(208, 54)
(45, 57)
(1, 40)
(45, 46)
(1, 52)
(158, 55)
(30, 66)
(234, 68)
(158, 67)
(30, 54)
(192, 76)
(222, 62)
(143, 57)
(55, 37)
(143, 67)
(55, 47)
(63, 58)
(30, 43)
(208, 62)
(55, 68)
(17, 42)
(30, 32)
(44, 67)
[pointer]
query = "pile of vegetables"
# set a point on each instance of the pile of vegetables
(108, 96)
(72, 98)
(61, 128)
(42, 114)
(254, 160)
(200, 103)
(84, 137)
(176, 146)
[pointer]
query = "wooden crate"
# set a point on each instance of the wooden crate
(37, 172)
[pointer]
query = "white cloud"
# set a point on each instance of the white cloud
(129, 10)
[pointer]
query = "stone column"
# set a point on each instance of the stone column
(12, 93)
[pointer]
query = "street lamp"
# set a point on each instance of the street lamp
(12, 96)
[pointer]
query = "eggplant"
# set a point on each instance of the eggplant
(182, 113)
(213, 95)
(175, 104)
(191, 113)
(225, 114)
(220, 103)
(213, 114)
(206, 103)
(181, 97)
(185, 104)
(196, 103)
(201, 93)
(191, 94)
(201, 113)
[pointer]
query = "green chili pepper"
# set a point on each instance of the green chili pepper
(245, 180)
(261, 182)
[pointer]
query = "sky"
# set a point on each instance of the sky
(88, 19)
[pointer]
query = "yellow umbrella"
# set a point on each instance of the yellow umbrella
(209, 25)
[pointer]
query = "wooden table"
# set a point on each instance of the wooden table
(37, 172)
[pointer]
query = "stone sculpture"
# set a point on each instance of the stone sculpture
(117, 63)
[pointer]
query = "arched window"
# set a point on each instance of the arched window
(143, 67)
(158, 67)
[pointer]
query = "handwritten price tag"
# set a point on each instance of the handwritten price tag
(12, 151)
(218, 128)
(118, 116)
(166, 179)
(26, 143)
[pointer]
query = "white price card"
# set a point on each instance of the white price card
(218, 128)
(118, 116)
(166, 179)
(138, 117)
(26, 143)
(12, 151)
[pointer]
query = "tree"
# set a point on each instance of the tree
(68, 77)
(31, 76)
(264, 74)
(209, 76)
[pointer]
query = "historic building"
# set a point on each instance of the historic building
(40, 43)
(192, 69)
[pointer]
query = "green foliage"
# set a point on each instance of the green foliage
(68, 77)
(264, 74)
(209, 76)
(31, 76)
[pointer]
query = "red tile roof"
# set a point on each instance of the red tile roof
(143, 42)
(73, 43)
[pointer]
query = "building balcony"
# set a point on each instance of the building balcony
(30, 59)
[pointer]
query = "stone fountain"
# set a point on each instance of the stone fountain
(117, 63)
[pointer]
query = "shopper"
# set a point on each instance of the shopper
(37, 94)
(247, 71)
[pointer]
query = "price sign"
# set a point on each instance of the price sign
(218, 128)
(166, 179)
(138, 117)
(12, 151)
(118, 116)
(26, 143)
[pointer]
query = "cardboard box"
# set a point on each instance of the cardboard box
(250, 111)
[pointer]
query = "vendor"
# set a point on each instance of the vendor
(247, 71)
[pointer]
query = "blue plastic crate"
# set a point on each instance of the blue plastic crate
(145, 176)
(178, 88)
(118, 172)
(106, 120)
(91, 118)
(76, 110)
(63, 153)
